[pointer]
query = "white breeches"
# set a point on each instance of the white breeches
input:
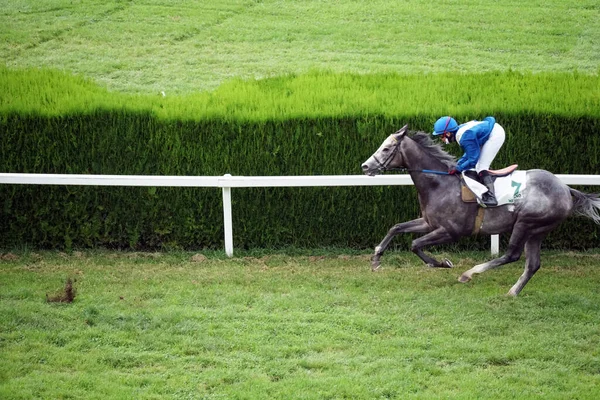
(490, 148)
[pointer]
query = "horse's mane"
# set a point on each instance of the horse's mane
(435, 149)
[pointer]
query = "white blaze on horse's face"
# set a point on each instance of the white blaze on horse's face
(386, 155)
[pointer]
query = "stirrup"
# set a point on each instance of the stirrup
(489, 200)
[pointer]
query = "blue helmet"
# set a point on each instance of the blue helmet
(445, 124)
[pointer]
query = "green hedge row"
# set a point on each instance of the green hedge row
(313, 124)
(134, 142)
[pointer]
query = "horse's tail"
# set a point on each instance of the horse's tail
(586, 204)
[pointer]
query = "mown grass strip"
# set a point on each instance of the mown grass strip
(174, 325)
(182, 47)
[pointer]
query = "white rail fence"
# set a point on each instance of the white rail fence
(227, 182)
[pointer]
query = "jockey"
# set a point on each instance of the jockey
(481, 141)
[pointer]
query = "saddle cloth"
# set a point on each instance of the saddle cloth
(507, 188)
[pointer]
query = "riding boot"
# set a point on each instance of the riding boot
(489, 197)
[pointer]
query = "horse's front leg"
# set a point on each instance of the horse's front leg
(414, 226)
(438, 236)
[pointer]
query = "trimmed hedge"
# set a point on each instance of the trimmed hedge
(118, 139)
(314, 95)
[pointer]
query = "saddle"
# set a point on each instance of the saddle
(504, 171)
(508, 185)
(498, 173)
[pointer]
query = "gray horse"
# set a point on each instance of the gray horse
(445, 217)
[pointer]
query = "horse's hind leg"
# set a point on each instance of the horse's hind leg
(415, 226)
(515, 249)
(532, 264)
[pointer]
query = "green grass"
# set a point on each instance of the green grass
(270, 325)
(151, 46)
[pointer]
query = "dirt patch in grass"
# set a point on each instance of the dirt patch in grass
(9, 257)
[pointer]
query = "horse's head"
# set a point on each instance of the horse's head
(387, 155)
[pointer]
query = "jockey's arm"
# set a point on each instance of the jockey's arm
(470, 145)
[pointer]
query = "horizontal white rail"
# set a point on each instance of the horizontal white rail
(235, 181)
(205, 181)
(227, 182)
(111, 180)
(587, 180)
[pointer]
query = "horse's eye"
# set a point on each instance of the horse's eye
(385, 150)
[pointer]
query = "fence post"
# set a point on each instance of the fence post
(495, 244)
(227, 220)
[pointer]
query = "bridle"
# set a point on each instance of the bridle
(382, 166)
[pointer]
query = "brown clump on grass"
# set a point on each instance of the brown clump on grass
(66, 295)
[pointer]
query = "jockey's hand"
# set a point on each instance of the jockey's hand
(453, 171)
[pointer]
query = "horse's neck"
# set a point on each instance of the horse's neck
(416, 158)
(429, 186)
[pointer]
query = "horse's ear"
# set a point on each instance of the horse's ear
(402, 131)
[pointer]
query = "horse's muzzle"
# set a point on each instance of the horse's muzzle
(367, 170)
(370, 169)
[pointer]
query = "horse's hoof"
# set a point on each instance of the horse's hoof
(443, 264)
(464, 278)
(375, 268)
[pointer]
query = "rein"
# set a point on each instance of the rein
(429, 171)
(424, 171)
